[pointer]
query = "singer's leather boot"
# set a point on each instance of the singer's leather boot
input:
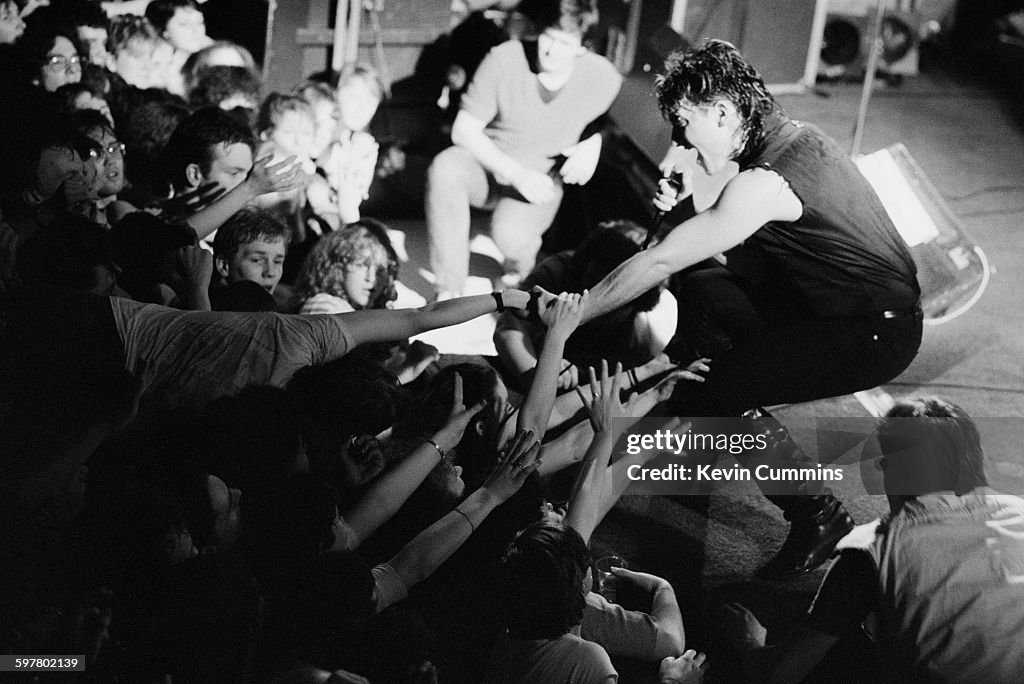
(817, 518)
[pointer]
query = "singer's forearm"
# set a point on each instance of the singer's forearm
(627, 282)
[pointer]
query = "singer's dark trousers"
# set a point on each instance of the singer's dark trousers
(767, 349)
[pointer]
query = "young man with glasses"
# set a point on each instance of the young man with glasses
(519, 135)
(108, 156)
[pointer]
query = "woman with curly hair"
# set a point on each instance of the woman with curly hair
(350, 269)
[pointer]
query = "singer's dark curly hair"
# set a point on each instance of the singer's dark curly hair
(717, 70)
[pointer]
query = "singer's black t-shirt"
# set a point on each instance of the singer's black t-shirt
(843, 256)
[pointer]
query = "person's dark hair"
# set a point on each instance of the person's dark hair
(85, 121)
(145, 247)
(471, 41)
(60, 135)
(219, 83)
(241, 295)
(85, 13)
(434, 403)
(604, 249)
(717, 70)
(145, 136)
(947, 433)
(65, 254)
(306, 509)
(159, 12)
(68, 93)
(339, 400)
(182, 488)
(95, 77)
(247, 226)
(575, 16)
(39, 39)
(252, 439)
(544, 571)
(476, 453)
(195, 138)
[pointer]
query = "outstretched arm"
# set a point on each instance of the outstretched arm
(562, 319)
(391, 490)
(599, 485)
(514, 346)
(749, 201)
(388, 325)
(418, 559)
(568, 405)
(263, 178)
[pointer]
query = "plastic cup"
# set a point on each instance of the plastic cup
(606, 581)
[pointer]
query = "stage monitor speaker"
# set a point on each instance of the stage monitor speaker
(652, 52)
(847, 43)
(952, 270)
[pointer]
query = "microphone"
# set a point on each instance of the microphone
(652, 228)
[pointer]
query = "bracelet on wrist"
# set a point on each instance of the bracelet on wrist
(437, 446)
(498, 300)
(633, 377)
(463, 514)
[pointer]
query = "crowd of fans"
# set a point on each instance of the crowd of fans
(223, 459)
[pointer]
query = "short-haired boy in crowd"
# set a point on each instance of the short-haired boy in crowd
(250, 246)
(131, 45)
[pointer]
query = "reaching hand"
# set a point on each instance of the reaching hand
(193, 201)
(740, 628)
(196, 267)
(581, 160)
(660, 392)
(604, 404)
(688, 668)
(659, 364)
(568, 375)
(701, 365)
(76, 195)
(516, 462)
(644, 581)
(543, 300)
(449, 436)
(563, 315)
(283, 176)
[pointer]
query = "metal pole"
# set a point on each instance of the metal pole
(355, 15)
(678, 19)
(340, 32)
(869, 78)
